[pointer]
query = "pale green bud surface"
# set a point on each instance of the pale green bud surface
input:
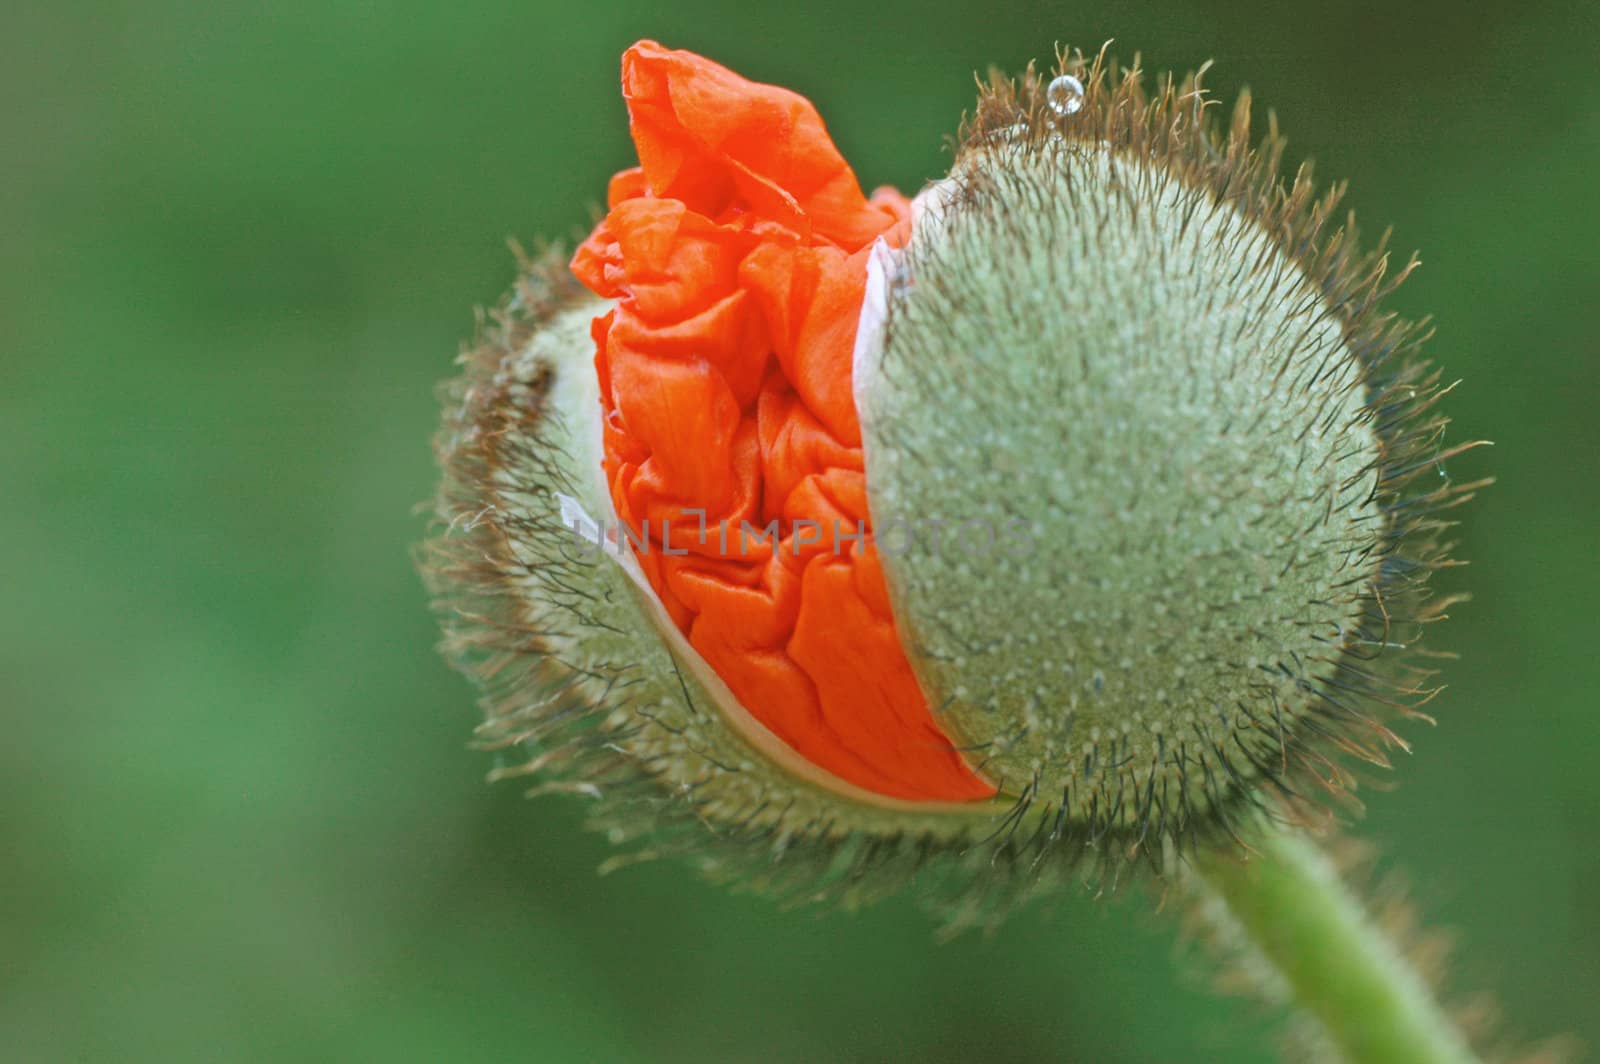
(1135, 460)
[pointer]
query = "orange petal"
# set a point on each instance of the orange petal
(736, 252)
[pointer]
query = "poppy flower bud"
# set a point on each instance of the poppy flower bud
(1078, 510)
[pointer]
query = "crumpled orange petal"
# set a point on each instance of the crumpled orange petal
(737, 252)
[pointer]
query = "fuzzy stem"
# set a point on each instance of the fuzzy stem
(1330, 960)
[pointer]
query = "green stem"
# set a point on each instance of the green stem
(1330, 959)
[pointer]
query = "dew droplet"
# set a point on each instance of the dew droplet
(1064, 95)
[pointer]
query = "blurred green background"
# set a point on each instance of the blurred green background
(242, 242)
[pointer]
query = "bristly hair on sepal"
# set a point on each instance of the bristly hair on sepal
(1381, 674)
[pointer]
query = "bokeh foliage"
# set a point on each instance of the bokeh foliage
(242, 243)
